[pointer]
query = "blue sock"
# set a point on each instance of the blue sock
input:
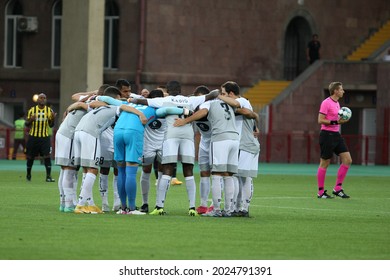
(131, 185)
(121, 185)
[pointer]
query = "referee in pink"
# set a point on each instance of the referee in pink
(331, 141)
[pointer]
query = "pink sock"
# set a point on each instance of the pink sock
(321, 172)
(341, 173)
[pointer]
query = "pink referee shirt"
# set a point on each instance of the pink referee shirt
(330, 109)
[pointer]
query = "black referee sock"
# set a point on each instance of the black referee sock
(30, 163)
(48, 167)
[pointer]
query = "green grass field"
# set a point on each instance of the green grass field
(287, 221)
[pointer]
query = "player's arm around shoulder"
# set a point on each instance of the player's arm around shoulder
(83, 96)
(230, 101)
(212, 94)
(131, 109)
(247, 113)
(197, 116)
(142, 101)
(76, 106)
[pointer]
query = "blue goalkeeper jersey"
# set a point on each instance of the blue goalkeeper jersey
(128, 120)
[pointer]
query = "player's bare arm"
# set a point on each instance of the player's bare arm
(212, 94)
(76, 106)
(142, 101)
(197, 116)
(134, 111)
(84, 95)
(230, 101)
(97, 104)
(247, 113)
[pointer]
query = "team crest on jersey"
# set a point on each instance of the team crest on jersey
(156, 124)
(204, 127)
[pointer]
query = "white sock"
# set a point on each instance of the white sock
(67, 185)
(229, 192)
(191, 190)
(60, 187)
(75, 184)
(103, 188)
(82, 181)
(159, 175)
(204, 190)
(247, 193)
(163, 186)
(83, 178)
(235, 194)
(86, 190)
(216, 191)
(145, 186)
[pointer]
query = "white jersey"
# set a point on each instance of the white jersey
(70, 122)
(172, 132)
(248, 142)
(204, 128)
(222, 120)
(154, 132)
(153, 140)
(97, 120)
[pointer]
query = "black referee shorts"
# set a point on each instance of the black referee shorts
(331, 142)
(38, 146)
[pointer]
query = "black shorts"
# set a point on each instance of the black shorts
(38, 146)
(331, 142)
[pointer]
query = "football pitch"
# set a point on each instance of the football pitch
(287, 221)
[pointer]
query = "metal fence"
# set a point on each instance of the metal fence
(304, 148)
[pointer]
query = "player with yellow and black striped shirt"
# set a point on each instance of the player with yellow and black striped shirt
(39, 118)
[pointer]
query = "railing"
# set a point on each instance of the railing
(304, 148)
(288, 147)
(7, 144)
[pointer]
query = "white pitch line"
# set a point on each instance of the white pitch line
(306, 197)
(281, 197)
(319, 209)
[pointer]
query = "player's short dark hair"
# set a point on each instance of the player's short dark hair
(173, 87)
(112, 92)
(102, 89)
(156, 93)
(230, 86)
(201, 90)
(122, 83)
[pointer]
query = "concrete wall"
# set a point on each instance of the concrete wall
(199, 42)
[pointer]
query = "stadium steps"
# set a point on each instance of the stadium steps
(264, 92)
(371, 44)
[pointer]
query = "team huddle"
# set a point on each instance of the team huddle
(113, 128)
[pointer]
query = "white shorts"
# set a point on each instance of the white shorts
(224, 156)
(107, 148)
(204, 158)
(86, 150)
(248, 164)
(64, 154)
(176, 149)
(150, 152)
